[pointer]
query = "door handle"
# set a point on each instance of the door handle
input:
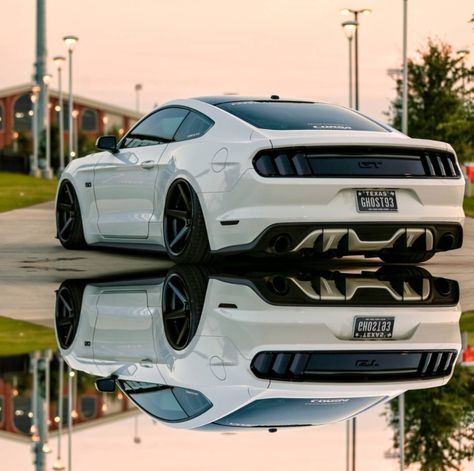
(148, 164)
(146, 363)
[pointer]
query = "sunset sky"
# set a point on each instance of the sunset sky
(182, 48)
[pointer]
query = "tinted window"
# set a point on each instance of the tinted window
(166, 402)
(286, 412)
(300, 116)
(157, 128)
(195, 125)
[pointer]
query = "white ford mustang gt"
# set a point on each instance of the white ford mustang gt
(261, 349)
(228, 175)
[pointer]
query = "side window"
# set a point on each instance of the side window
(158, 128)
(195, 125)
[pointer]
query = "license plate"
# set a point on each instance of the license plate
(376, 200)
(373, 327)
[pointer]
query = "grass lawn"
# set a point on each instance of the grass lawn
(17, 337)
(18, 191)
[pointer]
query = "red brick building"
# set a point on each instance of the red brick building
(93, 118)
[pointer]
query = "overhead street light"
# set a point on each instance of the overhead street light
(349, 28)
(356, 13)
(59, 62)
(70, 42)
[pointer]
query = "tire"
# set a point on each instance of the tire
(69, 229)
(184, 292)
(406, 257)
(68, 311)
(184, 228)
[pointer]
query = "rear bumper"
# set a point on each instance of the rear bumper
(236, 220)
(339, 239)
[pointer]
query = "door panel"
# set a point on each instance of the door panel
(124, 331)
(124, 186)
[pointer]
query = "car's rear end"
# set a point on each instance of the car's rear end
(363, 189)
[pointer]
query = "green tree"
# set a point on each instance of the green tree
(439, 423)
(439, 99)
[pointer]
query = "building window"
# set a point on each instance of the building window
(22, 113)
(89, 120)
(2, 117)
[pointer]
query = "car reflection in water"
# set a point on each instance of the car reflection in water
(212, 350)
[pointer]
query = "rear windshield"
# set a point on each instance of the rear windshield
(281, 115)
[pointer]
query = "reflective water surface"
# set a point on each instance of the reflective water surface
(298, 351)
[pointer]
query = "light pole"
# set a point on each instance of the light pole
(58, 464)
(47, 172)
(70, 42)
(138, 89)
(405, 69)
(462, 55)
(356, 13)
(34, 171)
(349, 28)
(75, 117)
(59, 61)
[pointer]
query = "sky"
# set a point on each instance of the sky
(110, 446)
(183, 48)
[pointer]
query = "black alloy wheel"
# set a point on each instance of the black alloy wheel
(68, 311)
(182, 302)
(68, 218)
(184, 228)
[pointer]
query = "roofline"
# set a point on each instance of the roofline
(218, 100)
(87, 102)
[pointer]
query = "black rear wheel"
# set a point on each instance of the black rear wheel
(68, 218)
(183, 296)
(184, 227)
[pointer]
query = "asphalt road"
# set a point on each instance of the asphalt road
(33, 264)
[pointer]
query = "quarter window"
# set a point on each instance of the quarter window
(195, 125)
(158, 128)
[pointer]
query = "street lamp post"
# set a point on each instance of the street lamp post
(34, 170)
(46, 171)
(70, 42)
(59, 61)
(138, 89)
(356, 13)
(349, 28)
(405, 70)
(462, 55)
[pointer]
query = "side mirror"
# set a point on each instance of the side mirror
(105, 385)
(107, 143)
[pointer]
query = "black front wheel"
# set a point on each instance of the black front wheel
(68, 218)
(184, 228)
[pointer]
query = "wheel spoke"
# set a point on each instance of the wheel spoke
(184, 196)
(177, 213)
(66, 225)
(175, 314)
(66, 206)
(65, 303)
(179, 235)
(178, 293)
(184, 330)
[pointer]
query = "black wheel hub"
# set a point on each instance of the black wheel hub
(178, 217)
(177, 312)
(66, 212)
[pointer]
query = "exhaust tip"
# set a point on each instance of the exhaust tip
(447, 241)
(281, 243)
